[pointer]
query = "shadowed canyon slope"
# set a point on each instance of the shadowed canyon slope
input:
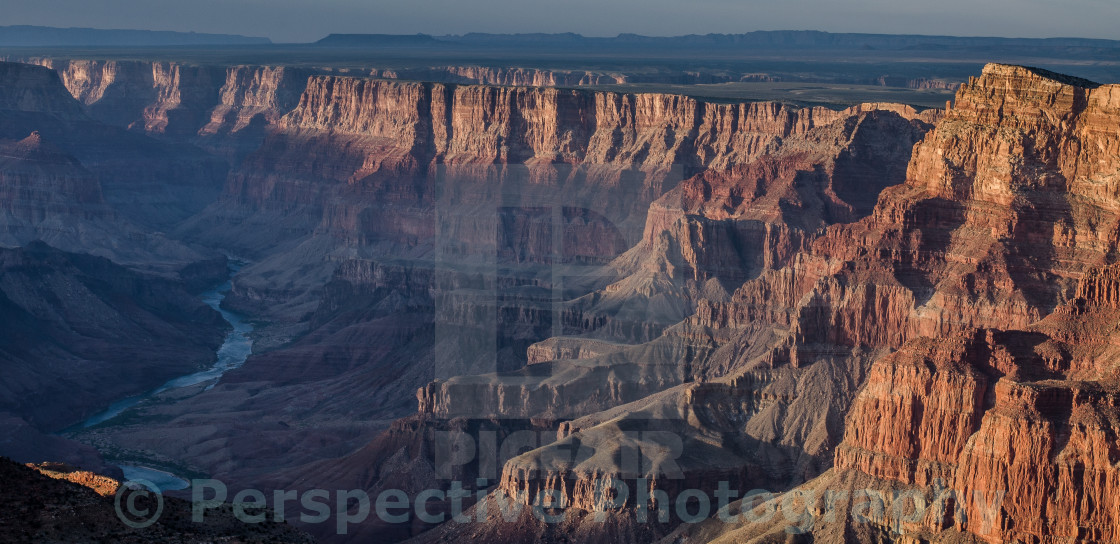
(98, 304)
(754, 294)
(81, 333)
(83, 185)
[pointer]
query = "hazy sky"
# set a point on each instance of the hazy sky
(294, 20)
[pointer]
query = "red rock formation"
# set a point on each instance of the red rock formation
(488, 124)
(1034, 428)
(993, 418)
(1007, 221)
(102, 485)
(250, 92)
(1001, 223)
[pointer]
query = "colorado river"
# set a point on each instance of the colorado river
(165, 481)
(232, 354)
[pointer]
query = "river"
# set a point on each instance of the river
(232, 354)
(162, 480)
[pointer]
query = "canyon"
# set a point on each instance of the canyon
(649, 290)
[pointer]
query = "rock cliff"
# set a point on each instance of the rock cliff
(1007, 220)
(710, 234)
(366, 161)
(83, 186)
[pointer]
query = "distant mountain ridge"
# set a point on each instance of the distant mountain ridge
(45, 36)
(761, 39)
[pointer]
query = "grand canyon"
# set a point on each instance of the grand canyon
(723, 288)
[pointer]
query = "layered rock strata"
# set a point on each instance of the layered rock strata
(1007, 221)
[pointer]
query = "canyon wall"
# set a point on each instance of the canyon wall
(364, 162)
(713, 232)
(583, 149)
(1007, 220)
(537, 77)
(810, 300)
(65, 176)
(801, 296)
(369, 209)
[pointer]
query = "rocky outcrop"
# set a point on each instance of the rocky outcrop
(922, 404)
(530, 125)
(558, 348)
(993, 418)
(992, 197)
(520, 125)
(41, 505)
(102, 485)
(711, 233)
(182, 101)
(1019, 421)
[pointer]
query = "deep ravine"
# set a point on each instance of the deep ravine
(233, 352)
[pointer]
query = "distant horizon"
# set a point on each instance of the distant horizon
(298, 21)
(551, 33)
